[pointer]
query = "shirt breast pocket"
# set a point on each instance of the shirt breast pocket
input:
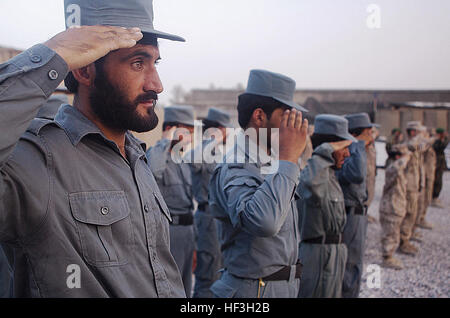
(162, 206)
(104, 226)
(334, 215)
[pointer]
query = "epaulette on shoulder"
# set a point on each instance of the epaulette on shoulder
(37, 124)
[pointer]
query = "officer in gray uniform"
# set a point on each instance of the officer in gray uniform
(255, 202)
(175, 182)
(76, 193)
(13, 263)
(352, 179)
(209, 256)
(322, 209)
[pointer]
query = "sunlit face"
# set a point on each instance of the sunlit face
(224, 133)
(274, 122)
(126, 89)
(276, 117)
(412, 132)
(339, 157)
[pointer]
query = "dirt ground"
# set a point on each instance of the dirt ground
(425, 275)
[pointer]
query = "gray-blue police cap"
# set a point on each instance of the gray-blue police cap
(335, 125)
(359, 120)
(120, 13)
(277, 86)
(181, 114)
(219, 116)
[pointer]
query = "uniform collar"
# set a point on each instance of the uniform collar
(248, 150)
(77, 126)
(245, 147)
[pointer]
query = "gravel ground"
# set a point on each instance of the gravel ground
(425, 275)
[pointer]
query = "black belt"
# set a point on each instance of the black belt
(183, 219)
(329, 239)
(284, 273)
(203, 206)
(356, 210)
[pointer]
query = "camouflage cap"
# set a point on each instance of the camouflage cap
(422, 128)
(414, 125)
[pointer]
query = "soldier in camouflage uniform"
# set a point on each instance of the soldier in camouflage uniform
(371, 172)
(413, 184)
(396, 137)
(415, 235)
(371, 156)
(393, 205)
(429, 167)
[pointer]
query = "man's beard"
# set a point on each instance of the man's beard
(115, 111)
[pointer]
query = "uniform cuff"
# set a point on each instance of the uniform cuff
(46, 68)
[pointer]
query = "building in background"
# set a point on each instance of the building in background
(389, 108)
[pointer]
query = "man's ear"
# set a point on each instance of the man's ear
(259, 118)
(85, 75)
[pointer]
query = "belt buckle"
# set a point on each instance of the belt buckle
(298, 269)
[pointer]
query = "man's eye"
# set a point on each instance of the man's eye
(138, 64)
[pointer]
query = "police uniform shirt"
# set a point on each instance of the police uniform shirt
(321, 204)
(258, 226)
(174, 179)
(70, 200)
(201, 174)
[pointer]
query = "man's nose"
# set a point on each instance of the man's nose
(153, 82)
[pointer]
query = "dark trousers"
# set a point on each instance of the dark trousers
(437, 187)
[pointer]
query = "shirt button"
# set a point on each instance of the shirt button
(53, 74)
(35, 58)
(146, 208)
(104, 210)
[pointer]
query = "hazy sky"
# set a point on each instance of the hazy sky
(319, 43)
